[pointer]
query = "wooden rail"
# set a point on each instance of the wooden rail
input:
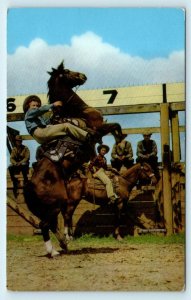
(117, 110)
(31, 219)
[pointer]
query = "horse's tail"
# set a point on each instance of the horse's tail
(32, 200)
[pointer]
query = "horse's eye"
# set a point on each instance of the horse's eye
(60, 75)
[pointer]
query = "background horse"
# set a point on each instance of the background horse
(125, 181)
(60, 87)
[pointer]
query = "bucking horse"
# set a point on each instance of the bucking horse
(49, 192)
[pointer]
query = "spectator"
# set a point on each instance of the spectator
(147, 152)
(20, 156)
(122, 155)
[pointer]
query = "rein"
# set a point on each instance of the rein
(70, 98)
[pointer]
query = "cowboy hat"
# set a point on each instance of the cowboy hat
(102, 146)
(28, 100)
(147, 132)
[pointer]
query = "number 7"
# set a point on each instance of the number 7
(113, 95)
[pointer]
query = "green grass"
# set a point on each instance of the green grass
(23, 238)
(143, 239)
(89, 240)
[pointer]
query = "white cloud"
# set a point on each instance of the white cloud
(104, 65)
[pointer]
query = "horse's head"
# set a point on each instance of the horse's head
(146, 172)
(62, 78)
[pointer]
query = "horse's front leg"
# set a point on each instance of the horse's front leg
(67, 216)
(118, 210)
(46, 237)
(59, 235)
(68, 231)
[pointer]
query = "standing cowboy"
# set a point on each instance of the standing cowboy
(98, 166)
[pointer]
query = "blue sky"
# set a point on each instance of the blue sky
(113, 46)
(138, 31)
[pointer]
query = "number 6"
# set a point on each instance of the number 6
(10, 104)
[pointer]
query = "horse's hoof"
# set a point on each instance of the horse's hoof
(63, 245)
(119, 238)
(54, 253)
(68, 238)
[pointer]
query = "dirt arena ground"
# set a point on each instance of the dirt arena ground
(106, 267)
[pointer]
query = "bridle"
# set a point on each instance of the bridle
(148, 175)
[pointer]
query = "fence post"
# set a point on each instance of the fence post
(166, 159)
(175, 136)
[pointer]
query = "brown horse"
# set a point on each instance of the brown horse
(60, 87)
(48, 194)
(125, 181)
(45, 195)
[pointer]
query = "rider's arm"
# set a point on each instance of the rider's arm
(114, 152)
(26, 155)
(140, 150)
(13, 157)
(36, 112)
(92, 165)
(129, 150)
(154, 149)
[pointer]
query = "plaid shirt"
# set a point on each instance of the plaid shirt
(98, 162)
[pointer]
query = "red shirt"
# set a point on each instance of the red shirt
(97, 163)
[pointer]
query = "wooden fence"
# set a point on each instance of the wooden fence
(168, 198)
(145, 211)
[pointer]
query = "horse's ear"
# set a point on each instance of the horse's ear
(61, 66)
(62, 63)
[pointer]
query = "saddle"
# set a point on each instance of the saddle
(97, 184)
(60, 149)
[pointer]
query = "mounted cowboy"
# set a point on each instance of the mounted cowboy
(98, 166)
(41, 129)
